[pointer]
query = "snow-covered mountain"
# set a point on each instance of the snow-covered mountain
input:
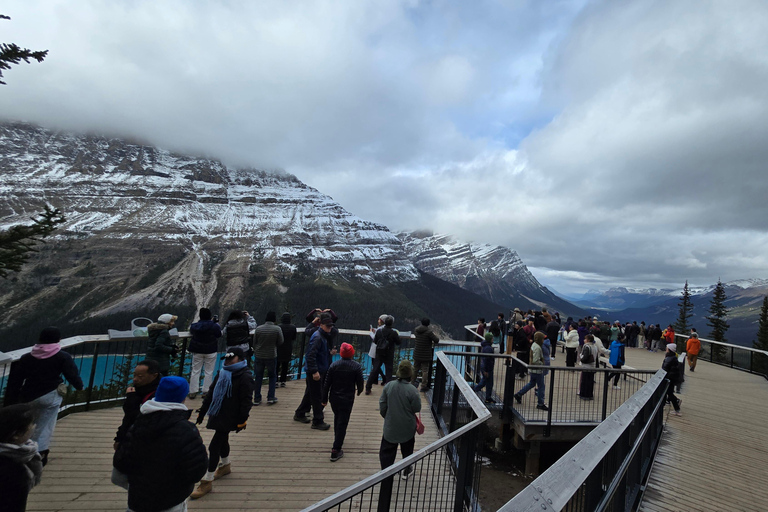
(496, 273)
(147, 228)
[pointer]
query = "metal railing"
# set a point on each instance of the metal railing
(446, 473)
(608, 469)
(734, 356)
(106, 363)
(568, 402)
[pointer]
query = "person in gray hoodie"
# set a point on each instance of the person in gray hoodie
(398, 405)
(266, 338)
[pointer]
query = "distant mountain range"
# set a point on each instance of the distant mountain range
(149, 231)
(744, 299)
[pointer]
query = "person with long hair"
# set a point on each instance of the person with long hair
(36, 379)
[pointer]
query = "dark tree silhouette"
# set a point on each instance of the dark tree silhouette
(718, 314)
(762, 330)
(12, 54)
(685, 314)
(17, 242)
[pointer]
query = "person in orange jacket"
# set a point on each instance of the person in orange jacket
(669, 334)
(692, 348)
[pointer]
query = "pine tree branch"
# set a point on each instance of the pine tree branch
(18, 242)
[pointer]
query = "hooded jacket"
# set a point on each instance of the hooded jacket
(341, 380)
(163, 457)
(160, 345)
(425, 343)
(132, 405)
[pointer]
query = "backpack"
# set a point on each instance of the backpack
(587, 357)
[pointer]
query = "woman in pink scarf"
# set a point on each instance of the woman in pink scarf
(35, 379)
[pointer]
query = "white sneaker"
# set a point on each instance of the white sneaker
(616, 387)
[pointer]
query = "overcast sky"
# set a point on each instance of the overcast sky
(609, 143)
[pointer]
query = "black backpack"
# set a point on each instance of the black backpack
(586, 355)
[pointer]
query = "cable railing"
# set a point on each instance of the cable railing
(734, 356)
(608, 469)
(444, 475)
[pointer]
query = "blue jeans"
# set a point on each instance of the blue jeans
(487, 383)
(259, 367)
(537, 379)
(47, 410)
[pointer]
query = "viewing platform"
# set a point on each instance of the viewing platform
(710, 458)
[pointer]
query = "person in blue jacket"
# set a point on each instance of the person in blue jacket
(486, 367)
(316, 365)
(617, 359)
(204, 350)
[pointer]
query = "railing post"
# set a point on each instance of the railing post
(465, 469)
(301, 355)
(183, 356)
(548, 428)
(509, 390)
(454, 408)
(606, 379)
(731, 357)
(89, 393)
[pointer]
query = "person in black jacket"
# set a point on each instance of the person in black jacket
(228, 407)
(35, 379)
(386, 338)
(285, 351)
(160, 346)
(20, 464)
(341, 379)
(163, 455)
(204, 347)
(424, 353)
(672, 366)
(146, 378)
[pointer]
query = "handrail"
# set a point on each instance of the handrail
(554, 488)
(473, 401)
(740, 347)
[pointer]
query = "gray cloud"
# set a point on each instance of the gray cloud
(608, 143)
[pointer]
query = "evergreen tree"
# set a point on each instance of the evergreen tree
(762, 330)
(11, 54)
(686, 311)
(718, 314)
(17, 242)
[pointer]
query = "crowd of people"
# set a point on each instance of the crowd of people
(159, 455)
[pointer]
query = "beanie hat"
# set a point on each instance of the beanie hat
(271, 317)
(672, 347)
(383, 317)
(404, 370)
(325, 319)
(172, 389)
(205, 314)
(286, 318)
(50, 335)
(538, 337)
(389, 321)
(488, 336)
(166, 318)
(347, 351)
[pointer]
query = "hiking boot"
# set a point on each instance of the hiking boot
(192, 396)
(518, 398)
(257, 402)
(367, 391)
(542, 407)
(321, 426)
(282, 384)
(271, 401)
(406, 473)
(222, 470)
(301, 419)
(203, 488)
(616, 387)
(336, 455)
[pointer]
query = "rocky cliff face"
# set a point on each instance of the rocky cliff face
(147, 228)
(152, 225)
(496, 273)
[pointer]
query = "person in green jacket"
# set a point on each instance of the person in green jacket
(160, 346)
(398, 405)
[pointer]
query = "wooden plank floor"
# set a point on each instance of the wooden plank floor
(713, 457)
(277, 463)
